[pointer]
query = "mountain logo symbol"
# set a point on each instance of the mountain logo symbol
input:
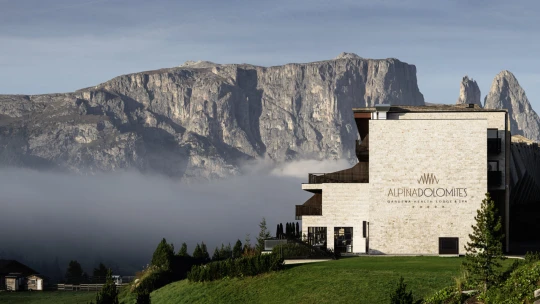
(428, 178)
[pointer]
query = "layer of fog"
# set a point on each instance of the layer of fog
(119, 218)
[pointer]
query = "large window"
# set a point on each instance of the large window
(317, 236)
(343, 237)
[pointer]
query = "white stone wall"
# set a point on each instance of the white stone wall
(495, 120)
(343, 205)
(401, 151)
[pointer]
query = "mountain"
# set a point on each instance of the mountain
(469, 92)
(506, 93)
(202, 119)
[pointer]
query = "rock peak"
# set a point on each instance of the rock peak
(345, 55)
(506, 93)
(197, 64)
(469, 92)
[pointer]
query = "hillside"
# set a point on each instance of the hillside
(350, 280)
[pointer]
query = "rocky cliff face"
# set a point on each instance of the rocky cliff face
(202, 120)
(469, 92)
(506, 93)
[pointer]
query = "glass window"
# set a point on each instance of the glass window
(317, 236)
(343, 239)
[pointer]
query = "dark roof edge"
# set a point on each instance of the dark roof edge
(418, 109)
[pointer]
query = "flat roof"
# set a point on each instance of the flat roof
(430, 108)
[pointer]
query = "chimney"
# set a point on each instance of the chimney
(380, 111)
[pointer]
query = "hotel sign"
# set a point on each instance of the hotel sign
(427, 193)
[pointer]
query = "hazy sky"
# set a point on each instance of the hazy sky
(63, 45)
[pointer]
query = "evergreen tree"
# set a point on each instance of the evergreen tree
(163, 255)
(277, 232)
(225, 252)
(216, 256)
(485, 250)
(74, 273)
(401, 296)
(100, 274)
(108, 293)
(183, 250)
(281, 229)
(297, 235)
(205, 254)
(237, 250)
(197, 253)
(263, 235)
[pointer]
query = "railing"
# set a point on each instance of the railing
(494, 178)
(319, 178)
(85, 287)
(307, 210)
(494, 145)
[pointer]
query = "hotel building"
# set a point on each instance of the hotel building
(421, 176)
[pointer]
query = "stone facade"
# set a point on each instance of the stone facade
(344, 205)
(427, 178)
(455, 152)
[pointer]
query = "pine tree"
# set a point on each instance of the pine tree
(216, 256)
(74, 273)
(237, 250)
(297, 235)
(205, 254)
(100, 274)
(108, 293)
(485, 250)
(401, 296)
(277, 232)
(183, 250)
(197, 253)
(281, 229)
(263, 235)
(163, 255)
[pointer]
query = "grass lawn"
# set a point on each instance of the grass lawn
(349, 280)
(47, 297)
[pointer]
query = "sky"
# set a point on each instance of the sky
(64, 45)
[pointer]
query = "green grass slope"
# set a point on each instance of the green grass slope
(350, 280)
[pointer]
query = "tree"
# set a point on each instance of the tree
(183, 250)
(204, 250)
(237, 249)
(163, 255)
(108, 293)
(225, 252)
(74, 273)
(485, 250)
(197, 253)
(401, 296)
(216, 256)
(277, 232)
(100, 273)
(281, 229)
(297, 235)
(263, 235)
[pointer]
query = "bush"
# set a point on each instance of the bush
(518, 288)
(246, 266)
(292, 250)
(448, 295)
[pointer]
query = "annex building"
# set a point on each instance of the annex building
(422, 175)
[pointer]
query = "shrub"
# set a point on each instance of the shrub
(518, 288)
(292, 250)
(246, 266)
(447, 295)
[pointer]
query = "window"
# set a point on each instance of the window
(448, 245)
(343, 239)
(32, 282)
(317, 236)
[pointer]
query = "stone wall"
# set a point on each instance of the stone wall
(401, 153)
(343, 205)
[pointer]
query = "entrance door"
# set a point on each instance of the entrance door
(39, 284)
(343, 237)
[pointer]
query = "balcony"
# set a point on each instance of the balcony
(313, 206)
(357, 174)
(494, 178)
(494, 145)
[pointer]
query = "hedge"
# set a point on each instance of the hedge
(241, 267)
